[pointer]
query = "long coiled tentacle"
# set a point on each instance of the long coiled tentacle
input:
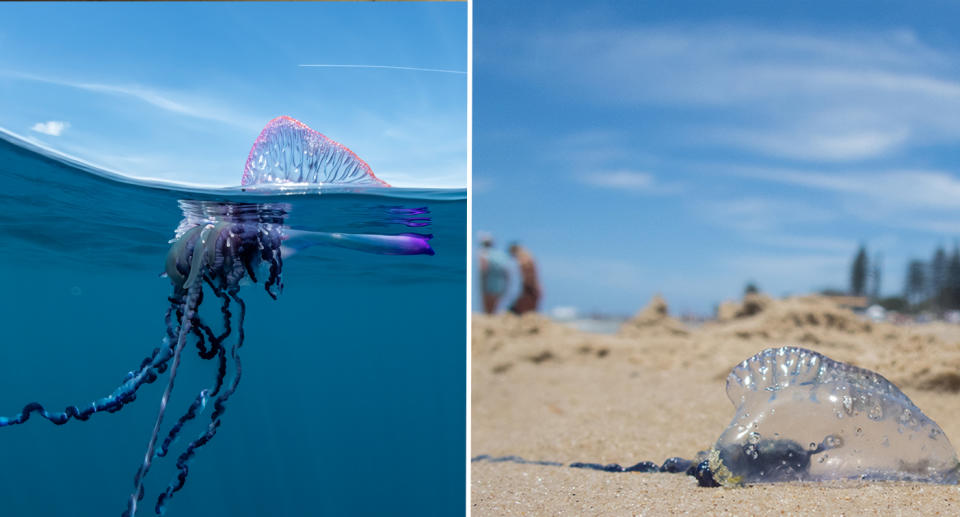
(201, 401)
(198, 404)
(183, 462)
(220, 255)
(124, 394)
(190, 308)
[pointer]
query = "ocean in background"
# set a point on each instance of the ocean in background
(353, 394)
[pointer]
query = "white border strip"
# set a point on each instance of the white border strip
(469, 228)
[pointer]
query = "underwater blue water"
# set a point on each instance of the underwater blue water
(353, 393)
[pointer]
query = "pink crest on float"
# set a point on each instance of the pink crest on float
(288, 151)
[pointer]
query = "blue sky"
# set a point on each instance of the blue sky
(688, 147)
(179, 91)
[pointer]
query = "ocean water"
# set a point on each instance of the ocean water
(353, 395)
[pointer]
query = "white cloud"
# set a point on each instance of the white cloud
(205, 109)
(828, 97)
(413, 148)
(481, 184)
(904, 189)
(809, 242)
(52, 127)
(182, 104)
(620, 179)
(845, 145)
(729, 64)
(99, 168)
(759, 214)
(629, 180)
(780, 223)
(922, 200)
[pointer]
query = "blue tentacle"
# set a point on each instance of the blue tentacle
(147, 373)
(201, 401)
(195, 408)
(190, 309)
(183, 462)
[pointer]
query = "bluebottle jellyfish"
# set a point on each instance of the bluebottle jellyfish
(218, 247)
(801, 416)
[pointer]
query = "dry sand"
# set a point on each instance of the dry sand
(544, 391)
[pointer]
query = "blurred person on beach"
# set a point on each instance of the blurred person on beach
(494, 273)
(529, 284)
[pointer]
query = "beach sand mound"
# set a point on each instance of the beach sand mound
(545, 391)
(806, 319)
(753, 303)
(652, 320)
(503, 341)
(917, 356)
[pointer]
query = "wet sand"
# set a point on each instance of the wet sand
(543, 391)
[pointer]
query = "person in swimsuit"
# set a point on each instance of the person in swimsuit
(494, 273)
(530, 292)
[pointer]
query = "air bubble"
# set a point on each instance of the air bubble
(833, 442)
(847, 405)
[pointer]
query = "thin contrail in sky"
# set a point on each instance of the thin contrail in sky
(415, 69)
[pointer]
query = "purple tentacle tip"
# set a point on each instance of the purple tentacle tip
(416, 244)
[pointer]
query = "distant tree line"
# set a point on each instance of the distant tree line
(865, 277)
(934, 285)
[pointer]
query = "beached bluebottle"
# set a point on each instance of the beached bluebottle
(218, 247)
(801, 416)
